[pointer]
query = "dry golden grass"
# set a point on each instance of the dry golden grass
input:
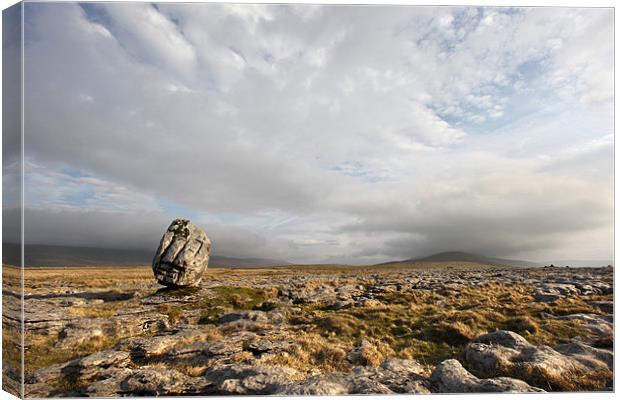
(174, 313)
(311, 353)
(43, 352)
(375, 353)
(87, 277)
(11, 279)
(108, 276)
(574, 380)
(431, 326)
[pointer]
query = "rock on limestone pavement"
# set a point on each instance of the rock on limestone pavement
(182, 256)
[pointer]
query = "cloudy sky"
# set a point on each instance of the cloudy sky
(321, 133)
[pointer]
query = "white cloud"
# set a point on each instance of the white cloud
(57, 190)
(327, 133)
(151, 37)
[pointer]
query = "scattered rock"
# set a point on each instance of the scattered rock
(248, 379)
(161, 382)
(595, 324)
(341, 304)
(110, 386)
(140, 321)
(589, 356)
(214, 349)
(267, 345)
(97, 366)
(164, 350)
(392, 376)
(153, 346)
(546, 297)
(317, 385)
(451, 377)
(93, 365)
(505, 353)
(400, 376)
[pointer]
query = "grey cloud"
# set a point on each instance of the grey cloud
(131, 231)
(504, 214)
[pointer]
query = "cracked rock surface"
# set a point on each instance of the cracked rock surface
(182, 256)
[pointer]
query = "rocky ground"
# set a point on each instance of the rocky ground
(311, 330)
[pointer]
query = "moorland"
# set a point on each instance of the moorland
(410, 327)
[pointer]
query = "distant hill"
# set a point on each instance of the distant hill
(450, 256)
(37, 255)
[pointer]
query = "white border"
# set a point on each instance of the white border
(520, 3)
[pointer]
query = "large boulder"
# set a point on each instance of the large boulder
(182, 256)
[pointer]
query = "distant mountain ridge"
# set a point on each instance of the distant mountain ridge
(37, 255)
(59, 256)
(475, 258)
